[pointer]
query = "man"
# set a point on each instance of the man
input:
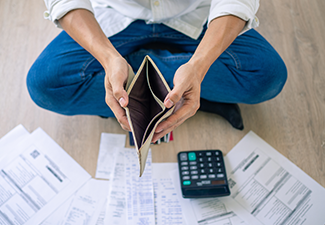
(209, 67)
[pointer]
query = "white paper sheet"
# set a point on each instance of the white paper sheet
(116, 200)
(108, 148)
(12, 138)
(35, 178)
(57, 217)
(139, 190)
(168, 209)
(212, 211)
(270, 187)
(101, 217)
(87, 203)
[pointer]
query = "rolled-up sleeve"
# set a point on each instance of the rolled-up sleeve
(56, 9)
(244, 9)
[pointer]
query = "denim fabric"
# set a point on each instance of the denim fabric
(68, 80)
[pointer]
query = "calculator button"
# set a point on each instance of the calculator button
(186, 182)
(194, 172)
(202, 171)
(201, 164)
(220, 175)
(211, 176)
(206, 181)
(218, 158)
(203, 176)
(200, 154)
(193, 163)
(191, 156)
(185, 173)
(186, 177)
(218, 164)
(193, 167)
(210, 164)
(209, 159)
(208, 153)
(183, 156)
(195, 177)
(184, 168)
(201, 159)
(184, 163)
(217, 153)
(219, 170)
(211, 170)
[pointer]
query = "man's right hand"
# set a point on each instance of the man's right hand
(82, 26)
(116, 97)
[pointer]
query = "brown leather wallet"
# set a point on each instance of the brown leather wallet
(147, 91)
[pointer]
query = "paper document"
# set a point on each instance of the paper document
(130, 200)
(87, 203)
(139, 190)
(168, 209)
(101, 217)
(212, 211)
(36, 177)
(57, 217)
(270, 187)
(116, 200)
(108, 148)
(12, 138)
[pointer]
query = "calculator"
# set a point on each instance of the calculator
(202, 174)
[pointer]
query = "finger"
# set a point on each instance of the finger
(157, 136)
(187, 110)
(117, 82)
(118, 112)
(173, 97)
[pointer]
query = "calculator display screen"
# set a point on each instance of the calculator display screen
(218, 182)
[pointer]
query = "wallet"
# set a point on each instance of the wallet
(147, 91)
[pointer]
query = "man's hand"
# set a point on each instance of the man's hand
(116, 97)
(82, 26)
(221, 33)
(186, 95)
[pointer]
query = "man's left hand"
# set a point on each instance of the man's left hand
(185, 96)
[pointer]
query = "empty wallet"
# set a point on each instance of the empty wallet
(147, 91)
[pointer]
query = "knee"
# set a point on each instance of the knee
(41, 83)
(269, 79)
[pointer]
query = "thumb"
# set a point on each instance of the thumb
(173, 97)
(118, 91)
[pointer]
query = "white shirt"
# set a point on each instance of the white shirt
(185, 16)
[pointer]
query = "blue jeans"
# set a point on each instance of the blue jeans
(68, 80)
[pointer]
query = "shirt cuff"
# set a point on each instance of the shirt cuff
(243, 9)
(57, 9)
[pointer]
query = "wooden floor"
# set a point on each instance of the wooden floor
(293, 122)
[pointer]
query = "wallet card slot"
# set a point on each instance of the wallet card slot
(142, 107)
(154, 81)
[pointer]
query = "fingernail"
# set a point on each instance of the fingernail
(122, 102)
(169, 103)
(160, 130)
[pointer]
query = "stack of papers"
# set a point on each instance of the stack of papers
(41, 184)
(266, 188)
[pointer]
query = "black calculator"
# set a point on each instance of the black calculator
(202, 174)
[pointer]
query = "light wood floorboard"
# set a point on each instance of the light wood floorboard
(293, 122)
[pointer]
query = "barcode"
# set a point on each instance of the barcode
(34, 154)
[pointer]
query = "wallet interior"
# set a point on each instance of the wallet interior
(146, 102)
